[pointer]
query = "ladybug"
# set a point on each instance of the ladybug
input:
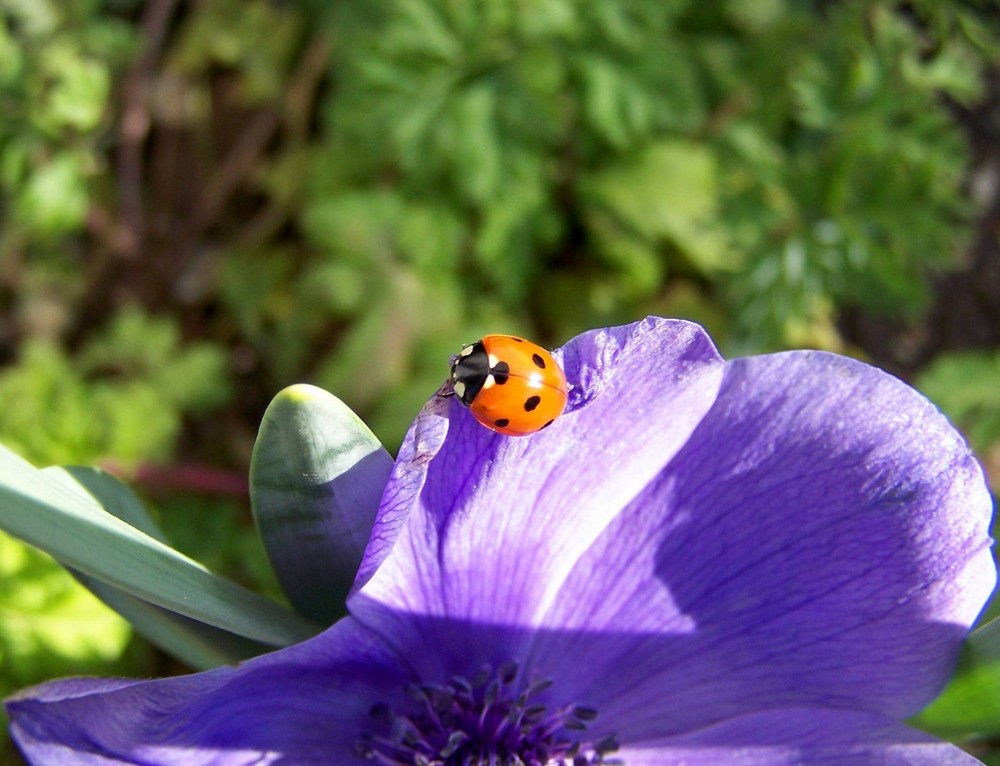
(510, 385)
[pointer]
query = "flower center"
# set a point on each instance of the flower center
(488, 720)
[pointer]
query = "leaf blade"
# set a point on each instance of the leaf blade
(195, 643)
(316, 479)
(38, 509)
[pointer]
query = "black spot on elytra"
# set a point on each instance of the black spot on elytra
(500, 373)
(546, 425)
(531, 402)
(501, 423)
(539, 362)
(516, 339)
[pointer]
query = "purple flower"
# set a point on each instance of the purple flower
(769, 560)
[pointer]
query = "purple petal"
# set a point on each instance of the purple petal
(801, 737)
(308, 704)
(798, 529)
(822, 539)
(486, 528)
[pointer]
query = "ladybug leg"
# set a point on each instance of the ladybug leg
(445, 390)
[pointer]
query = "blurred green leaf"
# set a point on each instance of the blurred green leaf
(54, 199)
(865, 197)
(377, 351)
(122, 395)
(756, 15)
(254, 37)
(965, 386)
(475, 143)
(78, 93)
(386, 326)
(137, 346)
(50, 625)
(614, 104)
(316, 481)
(970, 704)
(664, 194)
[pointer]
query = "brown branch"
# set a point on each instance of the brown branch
(297, 114)
(301, 96)
(135, 123)
(244, 156)
(119, 236)
(237, 165)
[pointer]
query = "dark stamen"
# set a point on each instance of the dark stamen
(482, 721)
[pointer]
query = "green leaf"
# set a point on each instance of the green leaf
(74, 529)
(55, 198)
(665, 193)
(50, 626)
(199, 645)
(964, 385)
(316, 479)
(110, 493)
(79, 89)
(970, 704)
(423, 26)
(614, 103)
(396, 318)
(476, 146)
(195, 643)
(140, 346)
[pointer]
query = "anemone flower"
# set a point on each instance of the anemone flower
(769, 560)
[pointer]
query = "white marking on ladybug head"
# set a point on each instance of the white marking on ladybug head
(489, 382)
(466, 350)
(493, 361)
(459, 388)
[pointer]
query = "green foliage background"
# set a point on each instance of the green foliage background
(203, 201)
